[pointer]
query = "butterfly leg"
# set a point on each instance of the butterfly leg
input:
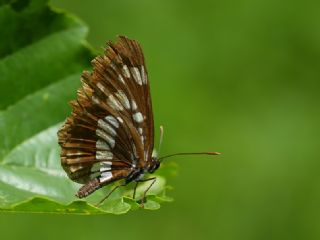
(134, 190)
(153, 179)
(108, 195)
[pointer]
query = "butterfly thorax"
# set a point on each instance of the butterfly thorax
(138, 173)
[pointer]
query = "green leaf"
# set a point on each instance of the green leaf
(41, 60)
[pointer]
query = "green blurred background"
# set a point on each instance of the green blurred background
(239, 77)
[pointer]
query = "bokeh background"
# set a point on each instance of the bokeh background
(239, 77)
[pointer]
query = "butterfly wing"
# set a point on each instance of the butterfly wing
(110, 131)
(135, 75)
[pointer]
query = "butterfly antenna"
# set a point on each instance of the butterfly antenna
(161, 139)
(192, 153)
(177, 154)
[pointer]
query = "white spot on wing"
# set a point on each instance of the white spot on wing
(104, 155)
(105, 137)
(121, 78)
(136, 75)
(106, 163)
(137, 117)
(140, 130)
(134, 105)
(134, 150)
(105, 176)
(101, 166)
(114, 103)
(123, 99)
(120, 119)
(105, 166)
(106, 127)
(102, 145)
(95, 100)
(143, 75)
(125, 71)
(100, 86)
(111, 119)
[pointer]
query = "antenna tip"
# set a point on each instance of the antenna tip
(214, 153)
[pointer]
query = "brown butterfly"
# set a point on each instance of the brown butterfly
(110, 133)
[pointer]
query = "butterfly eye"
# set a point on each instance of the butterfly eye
(155, 164)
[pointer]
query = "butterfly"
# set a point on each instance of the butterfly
(110, 133)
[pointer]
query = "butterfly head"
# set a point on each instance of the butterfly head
(154, 164)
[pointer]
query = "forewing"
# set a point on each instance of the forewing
(110, 130)
(130, 59)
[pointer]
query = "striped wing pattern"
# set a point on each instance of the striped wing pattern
(110, 130)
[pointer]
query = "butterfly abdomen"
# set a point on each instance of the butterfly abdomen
(104, 179)
(89, 188)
